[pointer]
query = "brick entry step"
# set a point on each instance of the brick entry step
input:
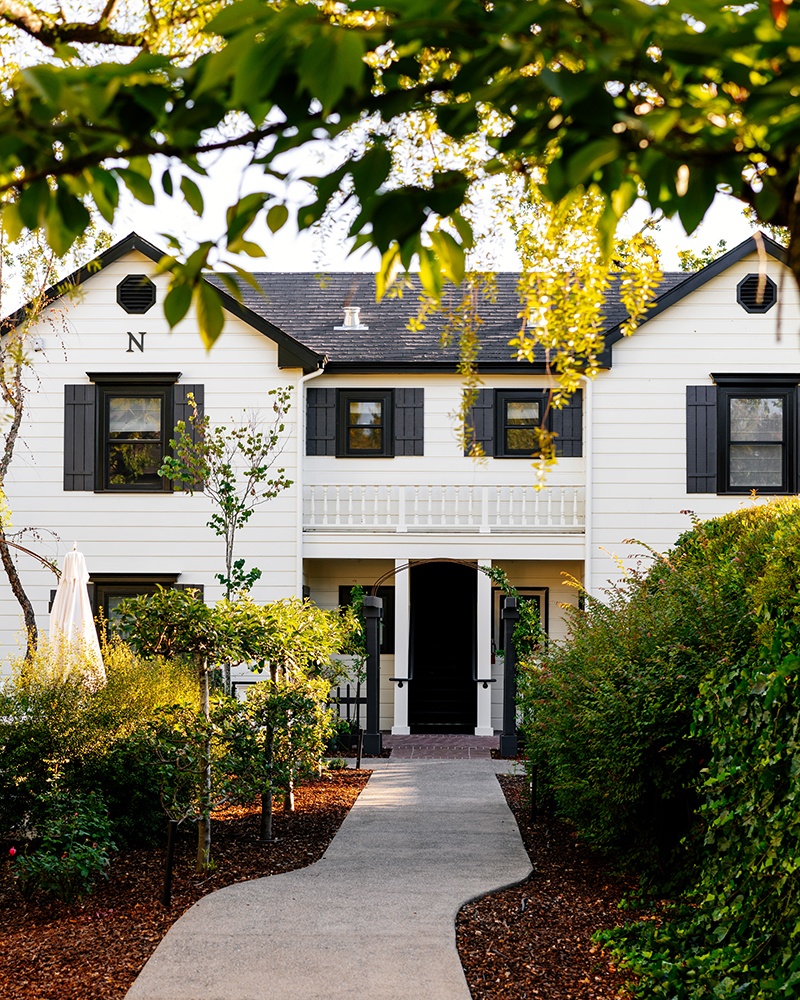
(429, 746)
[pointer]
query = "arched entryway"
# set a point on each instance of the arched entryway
(442, 697)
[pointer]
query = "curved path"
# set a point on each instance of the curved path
(375, 917)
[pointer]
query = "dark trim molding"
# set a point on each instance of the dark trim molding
(133, 378)
(756, 379)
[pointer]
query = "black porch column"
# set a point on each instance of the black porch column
(373, 613)
(510, 617)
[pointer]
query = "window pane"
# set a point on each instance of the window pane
(134, 463)
(519, 439)
(756, 465)
(523, 411)
(365, 412)
(132, 417)
(757, 419)
(365, 438)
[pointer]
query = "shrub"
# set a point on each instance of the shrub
(91, 740)
(735, 932)
(606, 720)
(75, 840)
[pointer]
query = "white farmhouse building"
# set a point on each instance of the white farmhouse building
(694, 411)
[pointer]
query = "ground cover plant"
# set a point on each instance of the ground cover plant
(667, 732)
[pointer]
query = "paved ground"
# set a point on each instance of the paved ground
(375, 917)
(424, 747)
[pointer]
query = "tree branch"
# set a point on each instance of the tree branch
(47, 29)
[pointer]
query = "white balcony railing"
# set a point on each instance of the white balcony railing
(475, 509)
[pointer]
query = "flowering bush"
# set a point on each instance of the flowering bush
(75, 834)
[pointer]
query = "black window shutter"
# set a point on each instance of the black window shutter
(701, 439)
(408, 421)
(567, 423)
(480, 422)
(320, 421)
(80, 423)
(182, 410)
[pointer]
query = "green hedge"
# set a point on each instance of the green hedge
(685, 688)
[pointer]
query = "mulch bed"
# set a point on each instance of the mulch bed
(94, 949)
(535, 939)
(532, 940)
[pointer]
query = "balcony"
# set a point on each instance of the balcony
(443, 509)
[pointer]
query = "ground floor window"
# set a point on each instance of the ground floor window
(386, 594)
(108, 589)
(538, 594)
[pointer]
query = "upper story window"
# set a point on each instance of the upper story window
(365, 423)
(504, 423)
(741, 434)
(756, 437)
(117, 429)
(133, 436)
(519, 414)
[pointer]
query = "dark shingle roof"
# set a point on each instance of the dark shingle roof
(308, 306)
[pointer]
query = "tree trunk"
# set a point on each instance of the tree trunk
(17, 589)
(265, 829)
(203, 861)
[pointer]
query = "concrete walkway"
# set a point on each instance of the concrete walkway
(374, 917)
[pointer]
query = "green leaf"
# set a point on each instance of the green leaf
(277, 217)
(33, 203)
(371, 170)
(693, 206)
(331, 64)
(450, 255)
(210, 317)
(166, 183)
(430, 274)
(241, 245)
(390, 264)
(105, 192)
(177, 302)
(582, 165)
(192, 194)
(58, 233)
(12, 221)
(139, 186)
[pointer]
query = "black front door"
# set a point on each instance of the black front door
(442, 696)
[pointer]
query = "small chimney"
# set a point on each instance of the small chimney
(352, 320)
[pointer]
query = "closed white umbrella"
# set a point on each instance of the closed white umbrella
(73, 636)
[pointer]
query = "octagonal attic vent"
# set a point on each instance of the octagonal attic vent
(136, 293)
(756, 293)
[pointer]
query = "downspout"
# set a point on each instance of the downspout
(588, 438)
(301, 456)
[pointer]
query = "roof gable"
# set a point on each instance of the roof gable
(291, 353)
(691, 282)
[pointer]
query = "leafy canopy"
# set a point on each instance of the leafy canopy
(673, 101)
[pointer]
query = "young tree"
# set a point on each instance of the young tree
(234, 467)
(177, 624)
